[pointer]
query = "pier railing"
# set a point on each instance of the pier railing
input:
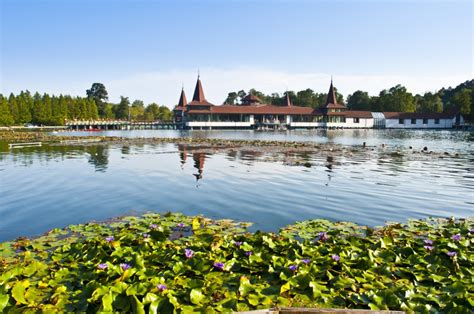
(21, 145)
(119, 125)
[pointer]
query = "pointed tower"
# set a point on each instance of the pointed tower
(179, 110)
(198, 97)
(198, 92)
(331, 95)
(182, 100)
(331, 101)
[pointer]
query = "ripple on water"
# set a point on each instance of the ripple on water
(48, 187)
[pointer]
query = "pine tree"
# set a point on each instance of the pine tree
(92, 109)
(63, 108)
(37, 106)
(13, 103)
(42, 109)
(6, 117)
(24, 107)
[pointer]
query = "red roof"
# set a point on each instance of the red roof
(182, 99)
(256, 109)
(330, 106)
(198, 97)
(358, 114)
(251, 99)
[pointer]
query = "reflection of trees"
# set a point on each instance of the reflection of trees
(125, 150)
(99, 157)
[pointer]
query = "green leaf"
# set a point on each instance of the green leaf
(196, 224)
(18, 291)
(3, 301)
(196, 296)
(285, 288)
(138, 306)
(253, 299)
(154, 306)
(107, 300)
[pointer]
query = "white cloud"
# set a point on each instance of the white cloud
(165, 87)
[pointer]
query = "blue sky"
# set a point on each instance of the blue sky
(148, 49)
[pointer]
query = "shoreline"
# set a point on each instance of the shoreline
(229, 145)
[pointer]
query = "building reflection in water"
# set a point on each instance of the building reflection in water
(198, 158)
(183, 154)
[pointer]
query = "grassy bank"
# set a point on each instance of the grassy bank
(174, 262)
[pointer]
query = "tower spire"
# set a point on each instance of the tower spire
(198, 92)
(331, 95)
(182, 99)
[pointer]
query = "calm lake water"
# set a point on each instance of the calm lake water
(54, 186)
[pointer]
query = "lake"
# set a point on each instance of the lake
(54, 186)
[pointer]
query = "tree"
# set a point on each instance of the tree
(231, 98)
(43, 110)
(25, 103)
(359, 101)
(12, 102)
(152, 112)
(462, 100)
(109, 111)
(6, 117)
(429, 102)
(137, 110)
(99, 94)
(339, 97)
(241, 94)
(122, 110)
(397, 99)
(165, 114)
(305, 98)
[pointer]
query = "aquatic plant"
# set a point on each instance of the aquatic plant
(207, 268)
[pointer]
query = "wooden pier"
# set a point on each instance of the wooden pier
(99, 125)
(22, 145)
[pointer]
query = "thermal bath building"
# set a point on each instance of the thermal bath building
(254, 114)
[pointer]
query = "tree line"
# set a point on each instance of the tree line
(55, 110)
(397, 98)
(48, 109)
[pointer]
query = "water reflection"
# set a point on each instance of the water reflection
(272, 189)
(199, 159)
(183, 154)
(99, 157)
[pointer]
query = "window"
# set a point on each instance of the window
(425, 121)
(356, 120)
(401, 121)
(413, 121)
(436, 121)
